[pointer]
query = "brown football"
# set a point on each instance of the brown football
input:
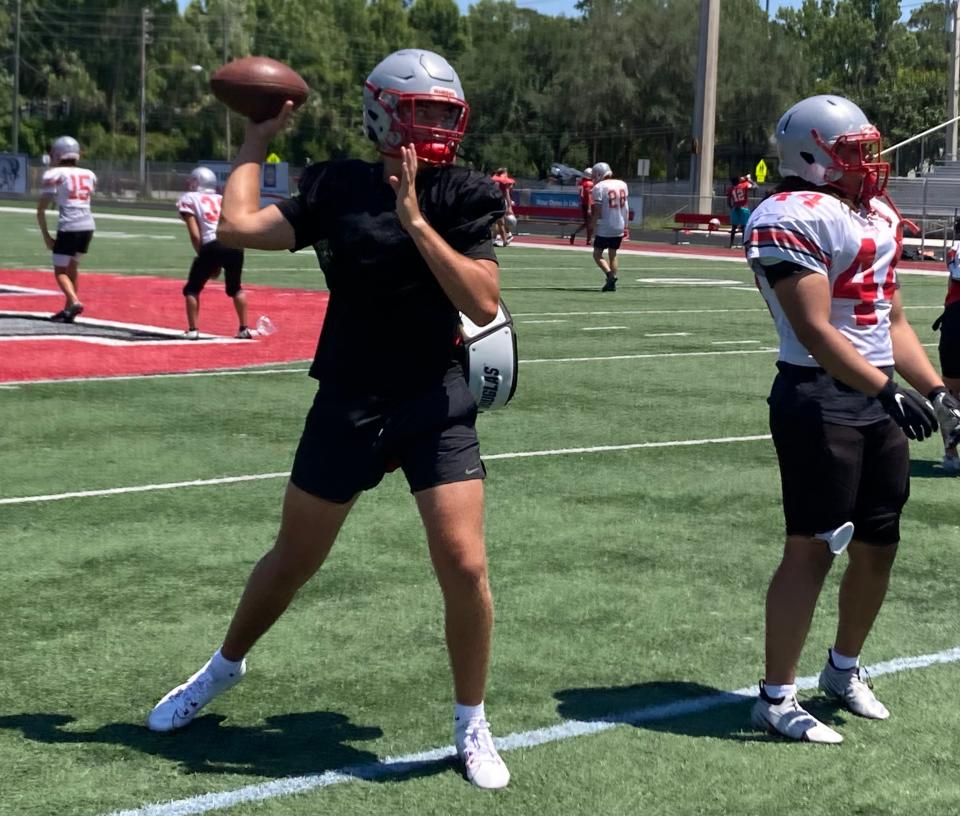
(257, 87)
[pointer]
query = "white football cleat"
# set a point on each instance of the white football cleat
(786, 717)
(852, 692)
(481, 762)
(179, 706)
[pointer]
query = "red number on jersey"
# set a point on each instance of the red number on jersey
(211, 209)
(866, 290)
(81, 186)
(617, 199)
(808, 199)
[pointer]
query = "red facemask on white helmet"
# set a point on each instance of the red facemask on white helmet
(828, 141)
(415, 96)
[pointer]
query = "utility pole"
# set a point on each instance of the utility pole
(15, 136)
(145, 15)
(953, 19)
(226, 58)
(705, 107)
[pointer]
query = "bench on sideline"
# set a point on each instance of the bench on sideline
(697, 221)
(564, 216)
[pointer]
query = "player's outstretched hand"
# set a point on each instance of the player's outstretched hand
(266, 130)
(947, 408)
(405, 186)
(913, 413)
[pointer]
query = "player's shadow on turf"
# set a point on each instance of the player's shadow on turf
(926, 469)
(675, 707)
(285, 745)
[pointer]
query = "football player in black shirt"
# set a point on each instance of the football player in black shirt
(405, 247)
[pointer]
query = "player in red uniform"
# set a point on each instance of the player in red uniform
(505, 184)
(586, 206)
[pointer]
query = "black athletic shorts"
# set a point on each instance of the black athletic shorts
(950, 342)
(212, 257)
(603, 242)
(831, 474)
(72, 243)
(349, 442)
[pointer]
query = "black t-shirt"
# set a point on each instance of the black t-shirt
(389, 326)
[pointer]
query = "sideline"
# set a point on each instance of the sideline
(566, 729)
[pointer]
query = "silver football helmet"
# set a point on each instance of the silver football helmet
(415, 96)
(511, 221)
(588, 172)
(601, 171)
(202, 180)
(491, 363)
(64, 148)
(822, 138)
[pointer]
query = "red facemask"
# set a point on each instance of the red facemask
(435, 123)
(864, 148)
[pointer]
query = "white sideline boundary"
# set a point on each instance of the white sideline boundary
(564, 730)
(253, 477)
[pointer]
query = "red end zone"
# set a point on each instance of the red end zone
(149, 303)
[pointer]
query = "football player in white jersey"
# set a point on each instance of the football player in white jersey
(949, 347)
(200, 210)
(609, 220)
(70, 187)
(824, 249)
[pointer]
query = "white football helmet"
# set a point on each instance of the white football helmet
(491, 361)
(64, 148)
(511, 221)
(588, 172)
(400, 106)
(601, 171)
(822, 138)
(202, 180)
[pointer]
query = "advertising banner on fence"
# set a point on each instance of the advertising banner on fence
(13, 173)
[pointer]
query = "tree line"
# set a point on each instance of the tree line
(614, 84)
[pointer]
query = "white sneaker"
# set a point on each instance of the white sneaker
(852, 692)
(191, 334)
(498, 241)
(785, 716)
(951, 463)
(179, 706)
(481, 762)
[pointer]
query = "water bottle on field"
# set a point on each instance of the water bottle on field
(265, 326)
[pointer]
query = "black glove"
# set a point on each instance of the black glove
(947, 408)
(913, 413)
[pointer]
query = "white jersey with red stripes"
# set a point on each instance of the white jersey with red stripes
(612, 198)
(953, 268)
(856, 250)
(71, 187)
(205, 207)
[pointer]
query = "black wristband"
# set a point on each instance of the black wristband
(888, 390)
(936, 392)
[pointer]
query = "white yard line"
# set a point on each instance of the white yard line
(602, 328)
(733, 342)
(668, 334)
(253, 477)
(562, 731)
(234, 372)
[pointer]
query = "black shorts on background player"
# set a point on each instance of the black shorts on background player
(72, 243)
(212, 257)
(949, 348)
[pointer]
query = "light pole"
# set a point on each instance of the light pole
(144, 70)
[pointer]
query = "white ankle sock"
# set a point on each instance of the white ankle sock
(842, 662)
(462, 714)
(786, 690)
(223, 668)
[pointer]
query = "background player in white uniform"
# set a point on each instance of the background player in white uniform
(824, 249)
(200, 209)
(610, 215)
(70, 187)
(949, 325)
